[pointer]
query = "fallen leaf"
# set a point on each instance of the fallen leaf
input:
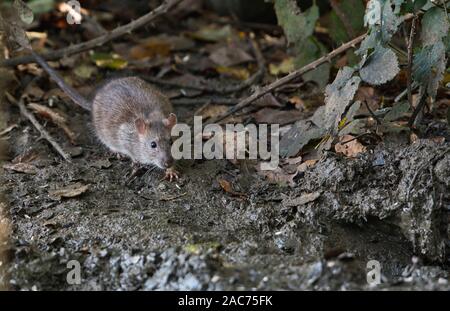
(234, 72)
(108, 60)
(55, 118)
(226, 186)
(21, 168)
(212, 33)
(295, 160)
(277, 176)
(297, 102)
(305, 165)
(349, 146)
(104, 163)
(275, 116)
(285, 67)
(211, 111)
(35, 92)
(302, 200)
(85, 71)
(228, 56)
(70, 191)
(25, 157)
(267, 100)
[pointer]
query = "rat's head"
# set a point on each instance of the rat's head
(155, 141)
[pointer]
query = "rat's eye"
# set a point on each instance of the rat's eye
(153, 144)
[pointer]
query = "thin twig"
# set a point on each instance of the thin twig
(410, 61)
(293, 75)
(99, 41)
(372, 113)
(44, 134)
(204, 100)
(343, 17)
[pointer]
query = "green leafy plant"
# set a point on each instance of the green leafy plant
(378, 65)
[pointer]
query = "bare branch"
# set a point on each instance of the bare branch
(293, 75)
(24, 111)
(99, 41)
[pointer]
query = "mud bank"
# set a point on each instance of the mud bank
(390, 205)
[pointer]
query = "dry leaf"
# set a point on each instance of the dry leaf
(25, 157)
(277, 176)
(236, 73)
(297, 102)
(226, 186)
(275, 116)
(21, 168)
(295, 160)
(70, 191)
(286, 66)
(303, 199)
(211, 111)
(305, 165)
(349, 146)
(228, 56)
(55, 117)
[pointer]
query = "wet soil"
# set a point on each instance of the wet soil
(391, 204)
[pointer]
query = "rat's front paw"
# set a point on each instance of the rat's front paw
(171, 174)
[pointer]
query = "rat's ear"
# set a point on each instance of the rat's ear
(141, 126)
(170, 121)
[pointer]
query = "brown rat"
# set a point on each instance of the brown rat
(130, 117)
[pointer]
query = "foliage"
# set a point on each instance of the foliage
(379, 64)
(299, 28)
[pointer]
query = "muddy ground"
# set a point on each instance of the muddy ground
(391, 205)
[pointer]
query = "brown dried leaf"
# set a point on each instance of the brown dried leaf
(211, 111)
(55, 117)
(228, 56)
(277, 176)
(70, 191)
(275, 116)
(305, 165)
(349, 146)
(302, 200)
(25, 168)
(227, 187)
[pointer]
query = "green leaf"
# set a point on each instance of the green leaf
(397, 111)
(429, 66)
(298, 137)
(434, 26)
(25, 13)
(307, 52)
(370, 42)
(380, 67)
(354, 10)
(418, 4)
(373, 13)
(338, 96)
(297, 25)
(390, 21)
